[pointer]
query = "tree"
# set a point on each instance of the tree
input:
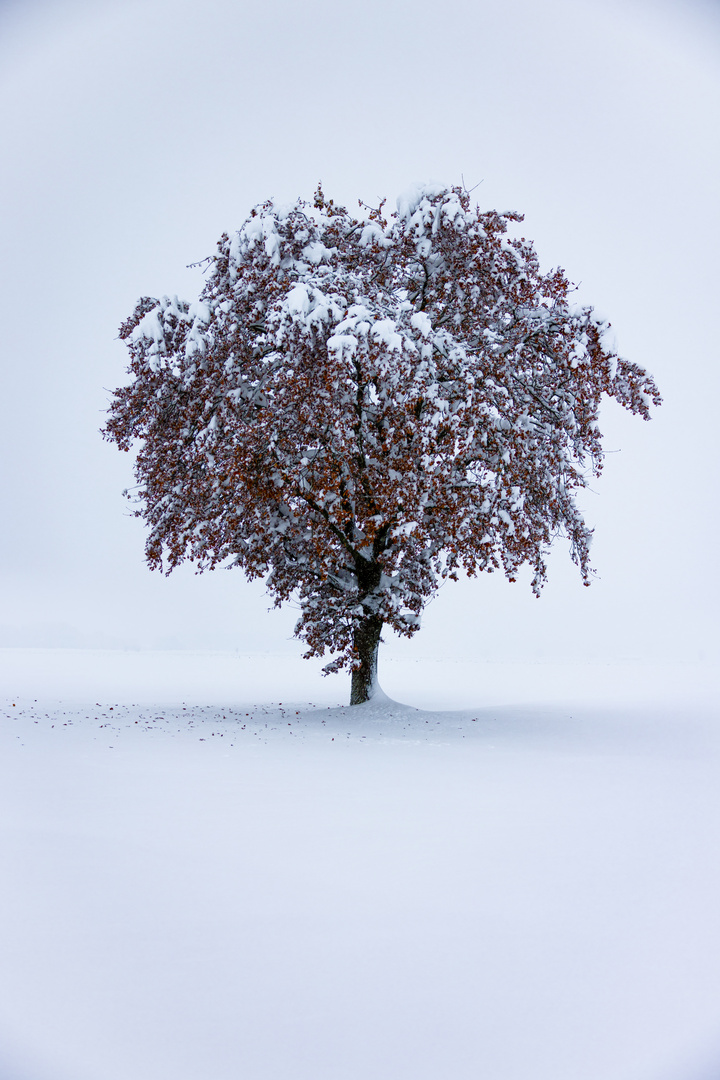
(358, 409)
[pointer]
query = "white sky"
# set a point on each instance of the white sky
(134, 134)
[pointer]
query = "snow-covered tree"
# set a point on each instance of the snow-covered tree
(357, 409)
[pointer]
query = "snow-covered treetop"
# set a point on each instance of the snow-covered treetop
(359, 407)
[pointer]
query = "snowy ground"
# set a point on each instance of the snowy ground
(204, 877)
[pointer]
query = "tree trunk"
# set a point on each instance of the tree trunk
(366, 640)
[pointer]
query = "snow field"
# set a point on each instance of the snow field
(184, 676)
(205, 891)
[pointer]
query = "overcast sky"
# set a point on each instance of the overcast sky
(134, 134)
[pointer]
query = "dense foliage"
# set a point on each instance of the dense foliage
(357, 409)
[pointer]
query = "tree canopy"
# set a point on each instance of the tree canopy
(358, 408)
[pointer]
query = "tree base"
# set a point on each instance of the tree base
(366, 642)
